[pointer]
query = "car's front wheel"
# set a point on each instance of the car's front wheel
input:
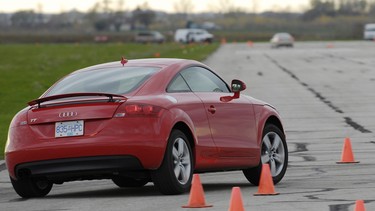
(30, 187)
(175, 173)
(274, 152)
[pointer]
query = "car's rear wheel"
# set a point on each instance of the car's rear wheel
(274, 152)
(175, 173)
(128, 182)
(30, 187)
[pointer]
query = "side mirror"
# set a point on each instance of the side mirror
(237, 86)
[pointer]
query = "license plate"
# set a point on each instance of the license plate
(70, 128)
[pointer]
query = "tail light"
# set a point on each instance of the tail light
(130, 110)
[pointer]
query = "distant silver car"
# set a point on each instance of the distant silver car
(282, 39)
(149, 37)
(369, 31)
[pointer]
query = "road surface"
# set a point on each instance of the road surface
(324, 91)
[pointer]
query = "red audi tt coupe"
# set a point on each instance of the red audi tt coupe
(140, 121)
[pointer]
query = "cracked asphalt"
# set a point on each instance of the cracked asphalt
(324, 92)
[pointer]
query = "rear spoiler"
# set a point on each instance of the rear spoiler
(55, 97)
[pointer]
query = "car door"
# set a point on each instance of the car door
(232, 123)
(206, 151)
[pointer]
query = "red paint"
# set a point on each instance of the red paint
(226, 134)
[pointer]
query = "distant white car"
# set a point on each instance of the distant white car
(193, 35)
(369, 31)
(282, 39)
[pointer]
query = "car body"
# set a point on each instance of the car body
(282, 39)
(138, 121)
(191, 35)
(149, 37)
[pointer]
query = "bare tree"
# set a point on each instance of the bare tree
(40, 12)
(225, 7)
(144, 15)
(106, 6)
(118, 17)
(184, 7)
(120, 5)
(255, 6)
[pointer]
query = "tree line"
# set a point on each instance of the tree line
(324, 19)
(333, 8)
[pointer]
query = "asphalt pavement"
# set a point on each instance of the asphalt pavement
(324, 92)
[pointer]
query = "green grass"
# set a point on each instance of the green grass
(28, 70)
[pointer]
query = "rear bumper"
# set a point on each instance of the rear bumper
(79, 157)
(277, 44)
(142, 139)
(97, 167)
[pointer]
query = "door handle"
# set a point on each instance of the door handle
(212, 109)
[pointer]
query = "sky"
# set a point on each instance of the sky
(57, 6)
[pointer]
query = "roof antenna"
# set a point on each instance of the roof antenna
(123, 61)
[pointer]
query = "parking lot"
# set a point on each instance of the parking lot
(324, 92)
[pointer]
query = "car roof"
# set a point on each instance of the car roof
(168, 67)
(283, 33)
(151, 62)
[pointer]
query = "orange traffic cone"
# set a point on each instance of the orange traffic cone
(347, 153)
(330, 45)
(266, 186)
(157, 55)
(196, 198)
(236, 203)
(359, 206)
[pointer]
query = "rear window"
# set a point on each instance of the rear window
(284, 35)
(114, 80)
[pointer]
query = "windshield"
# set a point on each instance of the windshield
(113, 80)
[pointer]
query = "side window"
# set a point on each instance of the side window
(202, 80)
(178, 85)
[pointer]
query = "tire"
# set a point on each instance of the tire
(274, 152)
(128, 182)
(175, 173)
(30, 188)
